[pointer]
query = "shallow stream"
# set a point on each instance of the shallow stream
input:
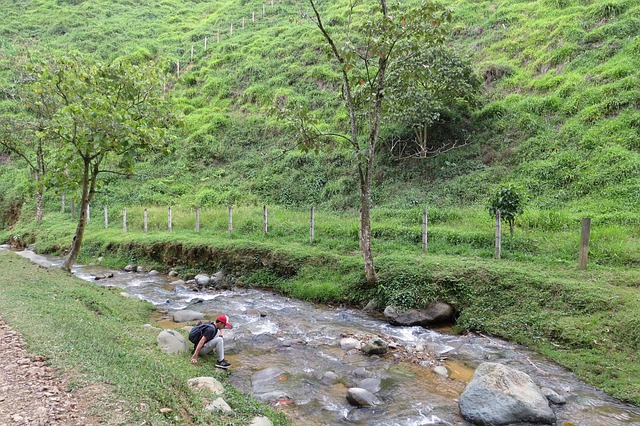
(294, 343)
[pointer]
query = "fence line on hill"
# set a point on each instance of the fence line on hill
(582, 254)
(219, 32)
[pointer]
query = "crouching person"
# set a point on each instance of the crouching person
(207, 337)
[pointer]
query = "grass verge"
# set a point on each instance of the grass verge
(97, 336)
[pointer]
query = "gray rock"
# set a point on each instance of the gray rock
(435, 313)
(362, 373)
(172, 342)
(362, 398)
(130, 268)
(153, 272)
(202, 280)
(172, 273)
(140, 268)
(219, 404)
(217, 278)
(209, 383)
(260, 421)
(441, 371)
(500, 395)
(376, 346)
(187, 315)
(177, 283)
(329, 378)
(348, 343)
(371, 306)
(553, 396)
(371, 384)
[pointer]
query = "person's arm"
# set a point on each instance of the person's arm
(201, 343)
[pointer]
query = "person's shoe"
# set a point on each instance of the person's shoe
(223, 364)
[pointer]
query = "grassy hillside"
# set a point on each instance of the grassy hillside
(560, 116)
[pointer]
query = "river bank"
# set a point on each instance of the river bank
(98, 338)
(285, 333)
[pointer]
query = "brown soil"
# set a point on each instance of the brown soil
(32, 393)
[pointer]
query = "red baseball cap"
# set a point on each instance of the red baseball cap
(224, 319)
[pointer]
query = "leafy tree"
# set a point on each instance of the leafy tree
(434, 83)
(510, 200)
(100, 117)
(370, 55)
(22, 122)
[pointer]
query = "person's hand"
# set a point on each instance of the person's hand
(194, 359)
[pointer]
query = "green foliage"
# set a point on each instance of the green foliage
(510, 201)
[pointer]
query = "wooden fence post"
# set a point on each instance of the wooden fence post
(424, 231)
(263, 10)
(191, 60)
(124, 219)
(360, 229)
(253, 16)
(205, 43)
(265, 222)
(231, 30)
(230, 220)
(498, 235)
(170, 220)
(106, 217)
(145, 221)
(178, 68)
(243, 22)
(584, 243)
(312, 225)
(197, 219)
(88, 213)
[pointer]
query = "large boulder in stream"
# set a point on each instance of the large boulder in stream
(362, 398)
(500, 395)
(435, 313)
(202, 280)
(376, 346)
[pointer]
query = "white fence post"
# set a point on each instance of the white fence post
(424, 231)
(312, 225)
(498, 235)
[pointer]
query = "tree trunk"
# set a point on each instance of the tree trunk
(365, 203)
(88, 187)
(40, 187)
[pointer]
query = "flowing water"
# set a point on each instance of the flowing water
(281, 348)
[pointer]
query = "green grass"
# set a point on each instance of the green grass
(585, 320)
(98, 337)
(560, 117)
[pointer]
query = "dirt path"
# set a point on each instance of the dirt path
(31, 393)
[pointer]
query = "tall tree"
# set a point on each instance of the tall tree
(21, 123)
(101, 117)
(377, 46)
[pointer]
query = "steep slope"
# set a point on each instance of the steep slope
(561, 114)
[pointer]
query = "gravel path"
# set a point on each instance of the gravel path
(31, 393)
